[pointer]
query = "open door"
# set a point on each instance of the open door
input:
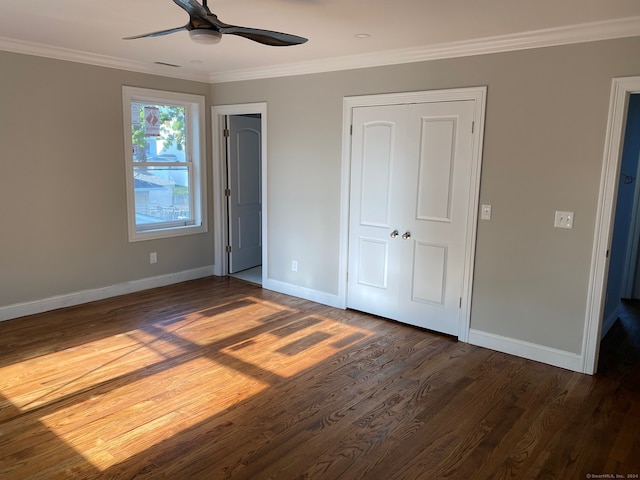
(244, 192)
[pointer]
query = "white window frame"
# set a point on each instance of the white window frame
(195, 148)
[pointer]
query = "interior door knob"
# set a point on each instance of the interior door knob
(394, 234)
(406, 235)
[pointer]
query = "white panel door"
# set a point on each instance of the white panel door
(439, 143)
(378, 144)
(428, 186)
(245, 204)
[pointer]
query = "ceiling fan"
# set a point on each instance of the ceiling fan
(204, 27)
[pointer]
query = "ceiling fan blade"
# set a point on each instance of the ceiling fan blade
(157, 34)
(266, 37)
(201, 18)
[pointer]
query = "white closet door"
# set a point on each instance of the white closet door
(378, 142)
(412, 176)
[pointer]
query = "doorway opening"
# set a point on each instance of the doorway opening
(239, 191)
(623, 282)
(621, 93)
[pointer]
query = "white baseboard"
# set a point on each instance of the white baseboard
(60, 301)
(304, 292)
(531, 351)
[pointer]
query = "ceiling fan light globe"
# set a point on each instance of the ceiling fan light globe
(205, 36)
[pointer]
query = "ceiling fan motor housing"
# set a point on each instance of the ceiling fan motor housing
(205, 36)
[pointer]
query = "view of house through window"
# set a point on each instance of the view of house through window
(161, 173)
(164, 162)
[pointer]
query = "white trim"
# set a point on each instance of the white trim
(88, 58)
(620, 90)
(302, 292)
(531, 351)
(196, 147)
(586, 32)
(479, 96)
(218, 113)
(61, 301)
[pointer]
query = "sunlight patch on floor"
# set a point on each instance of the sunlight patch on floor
(287, 355)
(119, 422)
(235, 318)
(41, 380)
(110, 399)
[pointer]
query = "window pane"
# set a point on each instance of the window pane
(165, 162)
(158, 132)
(162, 194)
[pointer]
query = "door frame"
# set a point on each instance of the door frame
(479, 95)
(621, 89)
(220, 213)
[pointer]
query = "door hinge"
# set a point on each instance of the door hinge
(460, 306)
(227, 192)
(228, 248)
(351, 130)
(226, 133)
(473, 126)
(607, 255)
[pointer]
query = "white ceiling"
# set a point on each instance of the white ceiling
(91, 31)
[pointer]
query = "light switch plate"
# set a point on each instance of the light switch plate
(563, 220)
(485, 213)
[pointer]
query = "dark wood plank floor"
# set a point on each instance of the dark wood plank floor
(216, 378)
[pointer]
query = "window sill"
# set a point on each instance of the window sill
(167, 232)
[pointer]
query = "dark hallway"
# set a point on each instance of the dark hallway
(620, 348)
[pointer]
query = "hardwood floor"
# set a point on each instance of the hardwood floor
(216, 378)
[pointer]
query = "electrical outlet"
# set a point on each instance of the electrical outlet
(153, 257)
(294, 265)
(563, 220)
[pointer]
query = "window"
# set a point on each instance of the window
(165, 163)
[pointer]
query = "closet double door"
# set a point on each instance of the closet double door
(409, 201)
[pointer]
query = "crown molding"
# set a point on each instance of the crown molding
(587, 32)
(59, 53)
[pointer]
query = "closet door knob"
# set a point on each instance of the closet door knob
(394, 234)
(406, 235)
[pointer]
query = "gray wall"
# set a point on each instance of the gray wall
(62, 182)
(63, 202)
(544, 142)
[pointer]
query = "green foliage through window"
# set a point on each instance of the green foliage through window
(172, 128)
